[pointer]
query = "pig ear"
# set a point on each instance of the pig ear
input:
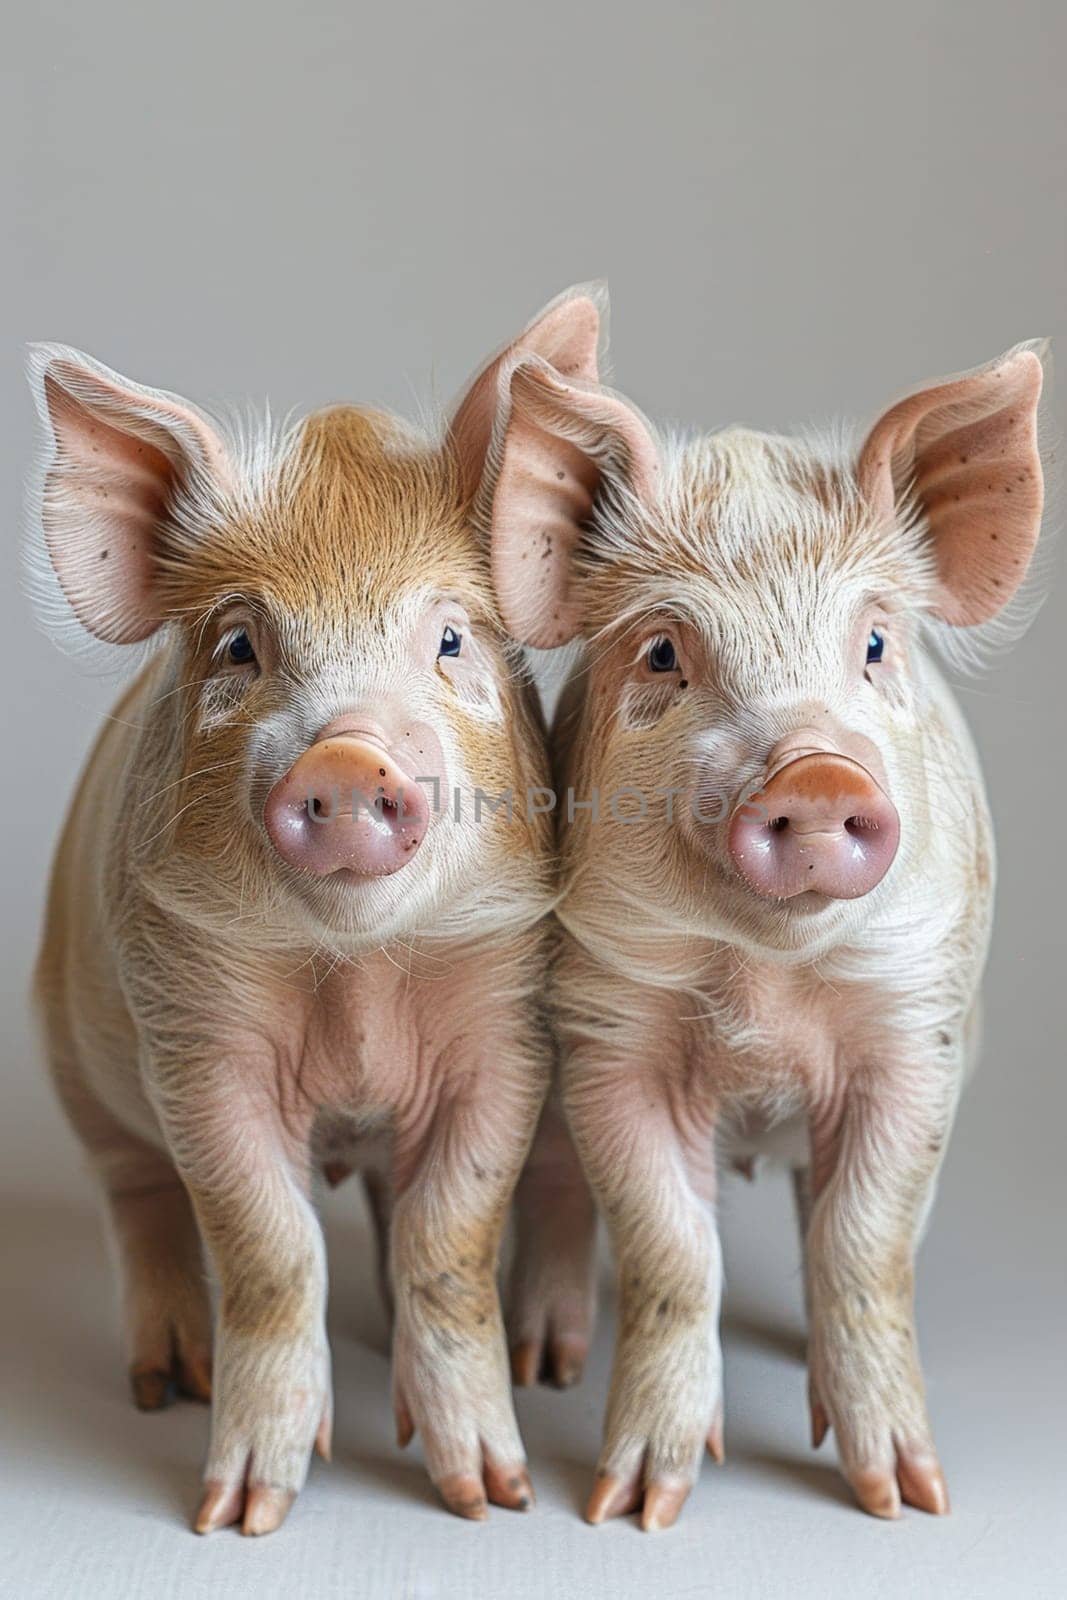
(116, 455)
(563, 442)
(965, 452)
(568, 333)
(534, 436)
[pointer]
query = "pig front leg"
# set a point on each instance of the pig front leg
(457, 1163)
(874, 1166)
(552, 1294)
(244, 1158)
(645, 1137)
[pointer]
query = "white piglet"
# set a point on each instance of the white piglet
(778, 867)
(284, 938)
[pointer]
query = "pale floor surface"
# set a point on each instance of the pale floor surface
(96, 1498)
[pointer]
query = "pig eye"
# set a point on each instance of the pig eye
(661, 656)
(239, 650)
(451, 643)
(875, 647)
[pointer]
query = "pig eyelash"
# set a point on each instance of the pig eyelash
(235, 640)
(661, 655)
(649, 643)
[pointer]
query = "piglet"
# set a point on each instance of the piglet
(284, 935)
(778, 868)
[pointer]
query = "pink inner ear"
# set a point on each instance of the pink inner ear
(566, 335)
(104, 498)
(968, 450)
(560, 439)
(119, 451)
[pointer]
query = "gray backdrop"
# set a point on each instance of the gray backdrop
(801, 209)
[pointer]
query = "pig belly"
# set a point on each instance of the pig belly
(91, 1037)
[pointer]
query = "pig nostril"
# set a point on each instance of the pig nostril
(778, 824)
(855, 826)
(316, 807)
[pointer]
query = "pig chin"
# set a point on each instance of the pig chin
(800, 926)
(366, 911)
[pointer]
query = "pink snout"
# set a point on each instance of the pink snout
(344, 806)
(820, 824)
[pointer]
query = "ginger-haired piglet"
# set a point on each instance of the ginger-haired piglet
(285, 937)
(778, 869)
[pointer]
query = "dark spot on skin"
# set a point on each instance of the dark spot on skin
(103, 555)
(381, 772)
(964, 459)
(943, 1036)
(684, 684)
(663, 1307)
(561, 476)
(1007, 488)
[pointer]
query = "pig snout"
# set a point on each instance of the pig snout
(346, 806)
(821, 823)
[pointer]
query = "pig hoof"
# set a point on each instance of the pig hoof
(470, 1480)
(260, 1508)
(663, 1501)
(470, 1497)
(918, 1482)
(559, 1361)
(220, 1506)
(509, 1487)
(465, 1496)
(877, 1494)
(922, 1483)
(266, 1509)
(151, 1390)
(153, 1385)
(659, 1503)
(612, 1497)
(526, 1363)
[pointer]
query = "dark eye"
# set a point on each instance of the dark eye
(662, 657)
(875, 646)
(239, 649)
(451, 643)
